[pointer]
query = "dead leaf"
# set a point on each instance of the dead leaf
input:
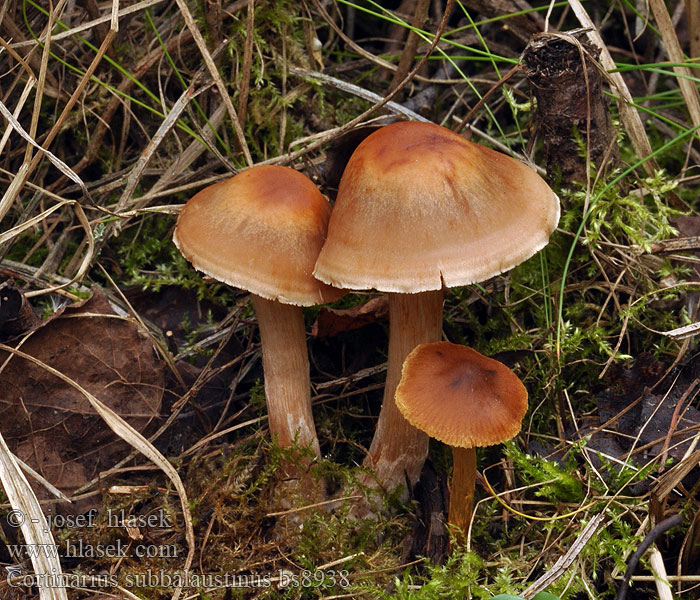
(332, 321)
(654, 416)
(52, 426)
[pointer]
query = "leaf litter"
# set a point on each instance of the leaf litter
(52, 426)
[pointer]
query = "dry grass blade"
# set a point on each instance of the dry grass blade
(358, 91)
(692, 10)
(95, 22)
(137, 441)
(42, 480)
(55, 161)
(18, 109)
(656, 562)
(185, 159)
(29, 223)
(34, 527)
(28, 167)
(669, 480)
(350, 42)
(675, 54)
(628, 114)
(214, 73)
(87, 259)
(167, 124)
(41, 80)
(127, 593)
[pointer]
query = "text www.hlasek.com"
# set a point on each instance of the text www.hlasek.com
(78, 549)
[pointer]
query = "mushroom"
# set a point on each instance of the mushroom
(419, 208)
(261, 231)
(465, 400)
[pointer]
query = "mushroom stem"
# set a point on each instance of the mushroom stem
(462, 491)
(398, 449)
(286, 370)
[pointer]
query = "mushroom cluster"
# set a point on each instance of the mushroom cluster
(419, 209)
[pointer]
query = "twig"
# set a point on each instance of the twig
(565, 561)
(310, 506)
(358, 91)
(675, 245)
(361, 374)
(681, 333)
(485, 97)
(244, 86)
(409, 51)
(648, 540)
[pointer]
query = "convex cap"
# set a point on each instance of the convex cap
(460, 397)
(419, 206)
(261, 231)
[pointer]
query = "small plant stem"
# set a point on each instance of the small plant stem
(409, 51)
(286, 369)
(462, 491)
(648, 540)
(398, 449)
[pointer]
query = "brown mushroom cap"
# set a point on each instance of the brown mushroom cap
(261, 231)
(419, 206)
(459, 396)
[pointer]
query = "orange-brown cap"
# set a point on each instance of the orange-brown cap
(419, 206)
(261, 231)
(459, 396)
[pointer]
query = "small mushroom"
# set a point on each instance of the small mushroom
(465, 400)
(262, 231)
(420, 208)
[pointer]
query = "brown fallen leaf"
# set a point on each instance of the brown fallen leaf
(53, 427)
(662, 420)
(332, 321)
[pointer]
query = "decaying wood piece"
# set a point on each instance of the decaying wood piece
(16, 314)
(570, 105)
